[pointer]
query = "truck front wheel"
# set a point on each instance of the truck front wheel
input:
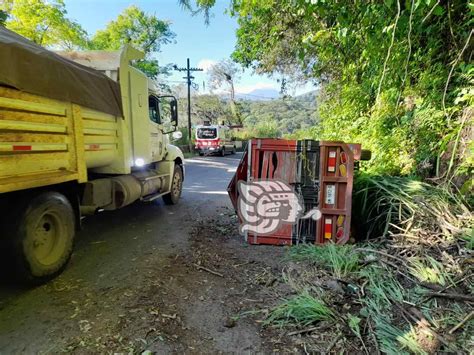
(44, 237)
(172, 198)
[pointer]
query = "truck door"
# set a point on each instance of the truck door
(156, 129)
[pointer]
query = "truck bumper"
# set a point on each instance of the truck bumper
(209, 150)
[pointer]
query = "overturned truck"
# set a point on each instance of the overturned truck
(288, 192)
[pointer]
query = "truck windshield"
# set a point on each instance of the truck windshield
(206, 133)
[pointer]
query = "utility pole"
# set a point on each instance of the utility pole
(188, 78)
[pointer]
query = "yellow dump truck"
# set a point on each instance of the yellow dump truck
(79, 133)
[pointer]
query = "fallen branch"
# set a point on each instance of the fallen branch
(397, 269)
(454, 296)
(331, 345)
(444, 288)
(372, 332)
(382, 253)
(461, 323)
(199, 267)
(302, 331)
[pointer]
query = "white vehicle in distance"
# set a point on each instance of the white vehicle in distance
(214, 139)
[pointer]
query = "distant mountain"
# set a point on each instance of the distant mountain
(308, 95)
(272, 94)
(259, 94)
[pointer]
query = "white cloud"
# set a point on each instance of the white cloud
(245, 89)
(206, 64)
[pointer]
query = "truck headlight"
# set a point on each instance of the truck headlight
(139, 162)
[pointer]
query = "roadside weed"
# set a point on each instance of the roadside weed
(409, 341)
(341, 260)
(353, 323)
(401, 206)
(300, 310)
(428, 270)
(469, 239)
(383, 292)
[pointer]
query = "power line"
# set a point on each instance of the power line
(188, 78)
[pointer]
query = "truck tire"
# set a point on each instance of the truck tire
(365, 154)
(172, 198)
(43, 238)
(223, 152)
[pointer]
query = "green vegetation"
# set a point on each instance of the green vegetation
(396, 76)
(302, 310)
(278, 117)
(429, 270)
(409, 209)
(270, 118)
(341, 260)
(3, 17)
(384, 300)
(384, 290)
(46, 23)
(144, 32)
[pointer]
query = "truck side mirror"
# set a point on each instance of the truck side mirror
(168, 113)
(174, 111)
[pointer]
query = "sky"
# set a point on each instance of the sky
(203, 44)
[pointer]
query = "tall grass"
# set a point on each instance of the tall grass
(405, 207)
(341, 260)
(427, 269)
(383, 291)
(300, 310)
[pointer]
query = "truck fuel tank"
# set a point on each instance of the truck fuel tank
(119, 191)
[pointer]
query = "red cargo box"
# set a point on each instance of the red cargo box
(320, 174)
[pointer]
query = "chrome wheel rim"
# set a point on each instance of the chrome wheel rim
(176, 184)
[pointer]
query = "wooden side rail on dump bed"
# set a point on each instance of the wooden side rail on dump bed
(45, 142)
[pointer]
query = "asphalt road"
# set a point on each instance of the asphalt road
(107, 253)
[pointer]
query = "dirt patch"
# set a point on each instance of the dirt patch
(214, 296)
(210, 298)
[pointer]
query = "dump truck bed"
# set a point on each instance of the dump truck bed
(45, 141)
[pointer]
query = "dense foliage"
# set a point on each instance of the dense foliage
(278, 117)
(144, 32)
(46, 23)
(396, 75)
(262, 118)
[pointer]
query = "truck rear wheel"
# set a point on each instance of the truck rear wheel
(44, 238)
(172, 198)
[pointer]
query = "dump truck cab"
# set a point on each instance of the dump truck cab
(75, 142)
(149, 116)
